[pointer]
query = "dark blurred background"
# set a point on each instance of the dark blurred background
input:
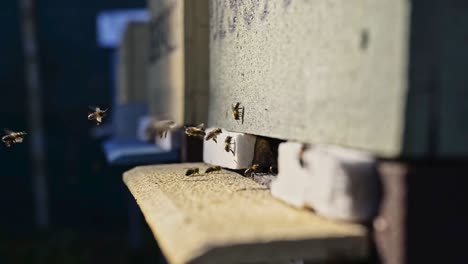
(87, 201)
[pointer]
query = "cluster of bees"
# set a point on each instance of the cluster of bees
(194, 171)
(256, 168)
(12, 137)
(161, 129)
(229, 145)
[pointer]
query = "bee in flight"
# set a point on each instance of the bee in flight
(237, 112)
(213, 169)
(12, 137)
(214, 134)
(252, 169)
(97, 115)
(228, 143)
(198, 131)
(192, 171)
(161, 128)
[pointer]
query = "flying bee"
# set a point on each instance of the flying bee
(97, 115)
(228, 142)
(214, 134)
(198, 131)
(160, 128)
(192, 171)
(12, 137)
(237, 112)
(252, 169)
(304, 148)
(213, 169)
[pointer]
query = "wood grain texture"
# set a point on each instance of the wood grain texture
(227, 218)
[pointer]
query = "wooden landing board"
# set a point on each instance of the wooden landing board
(227, 218)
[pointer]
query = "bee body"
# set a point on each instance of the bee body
(228, 143)
(304, 148)
(237, 112)
(251, 169)
(214, 134)
(97, 115)
(213, 169)
(12, 137)
(198, 131)
(192, 171)
(273, 170)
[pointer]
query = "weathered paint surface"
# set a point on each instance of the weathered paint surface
(316, 71)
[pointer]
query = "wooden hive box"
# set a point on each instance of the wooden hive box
(179, 60)
(387, 77)
(132, 66)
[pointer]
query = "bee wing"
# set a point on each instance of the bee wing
(202, 125)
(164, 124)
(173, 125)
(93, 108)
(243, 115)
(7, 131)
(91, 116)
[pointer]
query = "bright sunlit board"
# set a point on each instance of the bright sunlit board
(223, 217)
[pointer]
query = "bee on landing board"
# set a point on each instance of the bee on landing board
(213, 169)
(214, 134)
(97, 115)
(192, 171)
(228, 143)
(12, 137)
(237, 112)
(161, 128)
(273, 170)
(198, 131)
(252, 169)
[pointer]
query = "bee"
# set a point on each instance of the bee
(273, 170)
(228, 142)
(198, 131)
(237, 112)
(161, 128)
(213, 169)
(12, 137)
(97, 115)
(251, 169)
(192, 171)
(214, 134)
(304, 148)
